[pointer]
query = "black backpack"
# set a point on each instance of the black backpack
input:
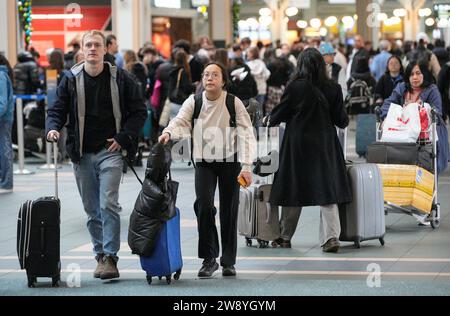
(359, 97)
(198, 98)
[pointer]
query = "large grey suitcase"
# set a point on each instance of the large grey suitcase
(257, 218)
(363, 219)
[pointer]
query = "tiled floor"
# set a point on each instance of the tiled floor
(414, 261)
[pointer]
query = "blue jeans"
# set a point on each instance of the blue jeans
(98, 179)
(6, 155)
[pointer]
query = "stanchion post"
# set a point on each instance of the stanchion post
(48, 150)
(20, 141)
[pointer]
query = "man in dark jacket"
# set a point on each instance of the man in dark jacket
(26, 74)
(358, 52)
(106, 113)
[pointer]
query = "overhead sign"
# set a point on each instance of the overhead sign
(199, 3)
(301, 4)
(341, 1)
(176, 4)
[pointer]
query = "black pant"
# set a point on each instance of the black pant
(206, 176)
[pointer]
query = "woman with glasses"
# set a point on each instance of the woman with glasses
(223, 147)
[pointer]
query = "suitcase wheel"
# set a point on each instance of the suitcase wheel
(176, 276)
(381, 241)
(357, 244)
(32, 282)
(168, 279)
(149, 279)
(434, 222)
(248, 242)
(263, 243)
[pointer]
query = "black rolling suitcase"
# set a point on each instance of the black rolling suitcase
(38, 236)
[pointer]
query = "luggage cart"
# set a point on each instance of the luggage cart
(434, 216)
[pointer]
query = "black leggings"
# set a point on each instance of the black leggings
(206, 176)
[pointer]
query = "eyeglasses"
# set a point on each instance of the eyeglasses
(213, 75)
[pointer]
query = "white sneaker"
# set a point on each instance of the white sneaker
(4, 191)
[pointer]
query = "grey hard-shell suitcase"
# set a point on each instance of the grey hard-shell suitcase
(257, 218)
(363, 218)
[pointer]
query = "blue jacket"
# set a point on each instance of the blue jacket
(6, 96)
(431, 96)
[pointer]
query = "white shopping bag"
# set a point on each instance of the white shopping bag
(402, 124)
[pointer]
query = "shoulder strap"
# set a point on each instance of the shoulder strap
(198, 98)
(231, 109)
(179, 77)
(198, 103)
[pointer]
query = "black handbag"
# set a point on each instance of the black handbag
(401, 154)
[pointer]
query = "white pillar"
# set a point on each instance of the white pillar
(131, 21)
(221, 22)
(8, 27)
(412, 18)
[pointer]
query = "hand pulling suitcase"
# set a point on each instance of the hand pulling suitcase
(166, 258)
(365, 132)
(38, 236)
(363, 218)
(257, 218)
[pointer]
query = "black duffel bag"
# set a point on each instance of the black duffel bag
(401, 154)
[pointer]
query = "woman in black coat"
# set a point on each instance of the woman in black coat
(312, 168)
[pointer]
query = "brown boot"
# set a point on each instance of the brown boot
(110, 270)
(100, 266)
(331, 245)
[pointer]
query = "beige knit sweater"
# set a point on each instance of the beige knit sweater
(214, 139)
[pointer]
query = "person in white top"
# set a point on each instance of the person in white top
(340, 58)
(218, 160)
(259, 71)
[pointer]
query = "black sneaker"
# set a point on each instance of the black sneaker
(281, 243)
(229, 271)
(331, 245)
(208, 268)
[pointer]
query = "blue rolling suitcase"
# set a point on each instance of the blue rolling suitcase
(166, 258)
(147, 129)
(366, 126)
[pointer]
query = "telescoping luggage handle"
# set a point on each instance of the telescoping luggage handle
(55, 157)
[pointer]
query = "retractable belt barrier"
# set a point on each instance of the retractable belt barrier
(19, 98)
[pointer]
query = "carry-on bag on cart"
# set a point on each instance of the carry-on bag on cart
(38, 236)
(401, 154)
(257, 218)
